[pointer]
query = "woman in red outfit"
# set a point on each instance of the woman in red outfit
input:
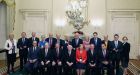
(81, 58)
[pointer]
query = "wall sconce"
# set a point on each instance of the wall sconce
(96, 23)
(60, 22)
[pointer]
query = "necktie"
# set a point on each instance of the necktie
(116, 44)
(46, 51)
(13, 50)
(69, 53)
(23, 40)
(57, 52)
(95, 39)
(58, 41)
(50, 41)
(77, 40)
(104, 53)
(92, 52)
(34, 48)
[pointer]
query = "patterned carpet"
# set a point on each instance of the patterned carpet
(134, 67)
(3, 67)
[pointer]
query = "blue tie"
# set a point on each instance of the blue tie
(95, 39)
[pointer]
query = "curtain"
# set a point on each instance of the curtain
(3, 23)
(10, 19)
(7, 20)
(10, 15)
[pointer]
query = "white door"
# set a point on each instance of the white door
(35, 22)
(126, 25)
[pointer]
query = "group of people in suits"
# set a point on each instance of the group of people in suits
(55, 56)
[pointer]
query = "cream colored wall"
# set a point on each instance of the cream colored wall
(123, 4)
(97, 9)
(31, 4)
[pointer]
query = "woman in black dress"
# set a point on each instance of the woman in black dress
(125, 54)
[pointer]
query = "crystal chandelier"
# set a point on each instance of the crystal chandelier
(75, 13)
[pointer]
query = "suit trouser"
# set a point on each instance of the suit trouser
(23, 57)
(11, 58)
(32, 68)
(56, 70)
(108, 68)
(42, 69)
(91, 70)
(116, 64)
(69, 70)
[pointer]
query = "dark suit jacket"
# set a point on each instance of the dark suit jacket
(66, 44)
(119, 48)
(57, 57)
(92, 58)
(33, 54)
(125, 51)
(69, 58)
(21, 44)
(102, 58)
(62, 43)
(43, 56)
(53, 42)
(98, 45)
(108, 45)
(74, 43)
(31, 41)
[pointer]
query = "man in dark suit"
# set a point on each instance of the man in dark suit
(76, 41)
(33, 38)
(23, 49)
(105, 61)
(51, 40)
(45, 60)
(60, 41)
(57, 60)
(96, 41)
(69, 61)
(107, 42)
(116, 49)
(33, 55)
(67, 42)
(92, 61)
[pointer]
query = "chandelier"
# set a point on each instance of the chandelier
(75, 13)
